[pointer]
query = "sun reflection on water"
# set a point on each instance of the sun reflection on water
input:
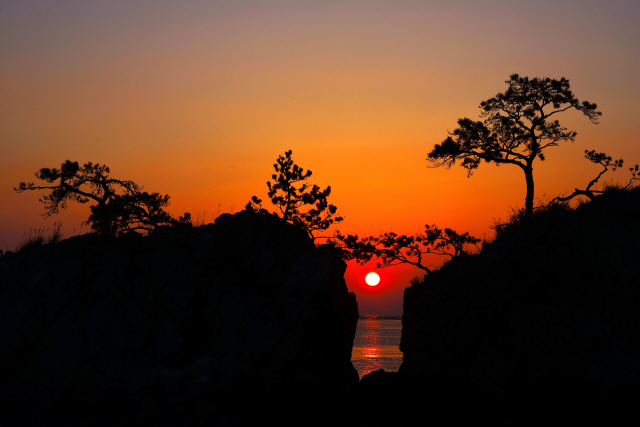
(376, 345)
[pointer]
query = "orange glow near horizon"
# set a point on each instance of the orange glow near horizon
(197, 101)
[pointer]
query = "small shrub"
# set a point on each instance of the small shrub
(37, 237)
(516, 217)
(56, 235)
(417, 280)
(613, 187)
(199, 221)
(31, 240)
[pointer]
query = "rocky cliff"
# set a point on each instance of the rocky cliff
(183, 324)
(547, 316)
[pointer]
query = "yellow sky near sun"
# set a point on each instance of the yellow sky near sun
(197, 100)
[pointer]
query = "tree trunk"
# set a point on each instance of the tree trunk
(528, 203)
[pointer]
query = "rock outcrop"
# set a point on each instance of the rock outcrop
(546, 316)
(186, 322)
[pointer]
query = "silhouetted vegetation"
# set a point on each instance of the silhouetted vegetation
(417, 280)
(303, 205)
(37, 237)
(561, 204)
(121, 205)
(390, 249)
(606, 162)
(554, 209)
(517, 217)
(516, 129)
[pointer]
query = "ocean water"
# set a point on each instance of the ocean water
(377, 345)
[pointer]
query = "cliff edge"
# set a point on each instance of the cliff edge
(232, 319)
(546, 316)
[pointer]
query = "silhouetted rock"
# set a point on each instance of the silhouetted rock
(543, 319)
(223, 320)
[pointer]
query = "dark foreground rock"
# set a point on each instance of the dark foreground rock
(233, 323)
(542, 326)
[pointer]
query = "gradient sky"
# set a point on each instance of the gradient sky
(196, 99)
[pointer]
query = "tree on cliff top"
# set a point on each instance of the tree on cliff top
(390, 249)
(517, 128)
(120, 205)
(606, 162)
(296, 201)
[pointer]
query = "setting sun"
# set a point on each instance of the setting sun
(372, 279)
(198, 101)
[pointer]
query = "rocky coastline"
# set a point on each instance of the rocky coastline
(180, 327)
(246, 320)
(542, 326)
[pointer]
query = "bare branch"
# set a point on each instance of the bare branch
(390, 249)
(606, 162)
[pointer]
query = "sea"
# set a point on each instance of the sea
(377, 344)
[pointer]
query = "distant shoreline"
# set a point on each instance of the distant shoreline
(377, 317)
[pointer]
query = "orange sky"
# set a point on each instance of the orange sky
(198, 99)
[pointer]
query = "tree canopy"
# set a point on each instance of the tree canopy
(296, 201)
(391, 249)
(120, 205)
(518, 127)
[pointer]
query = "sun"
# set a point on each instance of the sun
(372, 279)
